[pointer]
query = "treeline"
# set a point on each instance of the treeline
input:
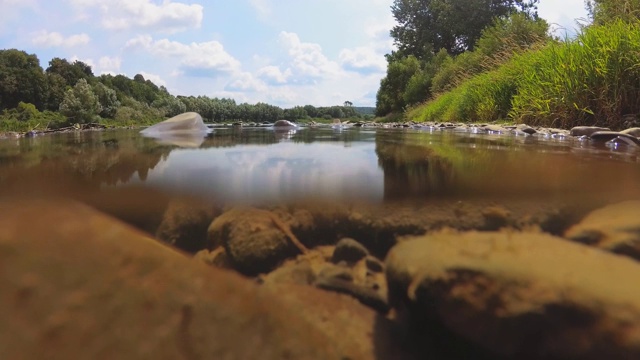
(67, 93)
(515, 71)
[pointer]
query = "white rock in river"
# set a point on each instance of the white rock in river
(186, 129)
(284, 124)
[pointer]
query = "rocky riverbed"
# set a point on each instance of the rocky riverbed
(479, 278)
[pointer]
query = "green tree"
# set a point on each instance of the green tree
(426, 26)
(108, 100)
(70, 72)
(604, 11)
(56, 88)
(21, 79)
(390, 97)
(80, 104)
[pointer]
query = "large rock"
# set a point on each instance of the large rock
(185, 223)
(77, 284)
(185, 130)
(520, 295)
(614, 228)
(586, 130)
(255, 240)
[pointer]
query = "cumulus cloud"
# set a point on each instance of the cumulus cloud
(196, 59)
(156, 79)
(55, 39)
(272, 75)
(245, 82)
(363, 60)
(167, 17)
(308, 63)
(109, 65)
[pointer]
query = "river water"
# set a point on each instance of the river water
(119, 168)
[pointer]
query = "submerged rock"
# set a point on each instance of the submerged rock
(185, 223)
(255, 240)
(614, 228)
(77, 284)
(609, 135)
(519, 295)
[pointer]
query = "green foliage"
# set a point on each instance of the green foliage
(605, 11)
(71, 73)
(108, 100)
(390, 97)
(592, 80)
(426, 26)
(21, 79)
(27, 117)
(80, 104)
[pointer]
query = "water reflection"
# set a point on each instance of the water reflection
(265, 165)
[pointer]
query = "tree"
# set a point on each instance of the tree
(390, 97)
(80, 104)
(21, 79)
(348, 103)
(426, 26)
(108, 100)
(603, 11)
(70, 72)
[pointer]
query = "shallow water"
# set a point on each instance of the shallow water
(263, 166)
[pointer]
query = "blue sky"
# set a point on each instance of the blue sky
(282, 52)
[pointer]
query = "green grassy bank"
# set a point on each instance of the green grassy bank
(593, 79)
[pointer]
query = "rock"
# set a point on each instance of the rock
(495, 129)
(614, 228)
(217, 258)
(77, 284)
(495, 217)
(526, 129)
(373, 264)
(349, 250)
(187, 129)
(519, 295)
(609, 135)
(586, 130)
(635, 131)
(284, 124)
(185, 223)
(365, 295)
(255, 240)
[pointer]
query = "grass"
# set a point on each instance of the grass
(593, 79)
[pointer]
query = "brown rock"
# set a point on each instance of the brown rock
(255, 240)
(78, 284)
(217, 258)
(184, 224)
(614, 228)
(634, 131)
(521, 295)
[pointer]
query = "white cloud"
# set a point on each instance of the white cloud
(262, 7)
(307, 60)
(156, 79)
(245, 82)
(109, 65)
(363, 60)
(55, 39)
(273, 75)
(205, 58)
(167, 17)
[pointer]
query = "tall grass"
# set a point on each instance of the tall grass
(591, 80)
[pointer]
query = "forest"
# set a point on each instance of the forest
(67, 93)
(488, 60)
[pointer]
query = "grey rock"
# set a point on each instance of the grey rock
(586, 130)
(610, 135)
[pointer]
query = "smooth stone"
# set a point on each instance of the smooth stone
(586, 130)
(253, 239)
(495, 128)
(635, 131)
(185, 223)
(349, 250)
(526, 129)
(77, 284)
(185, 130)
(622, 141)
(519, 295)
(610, 135)
(284, 124)
(614, 228)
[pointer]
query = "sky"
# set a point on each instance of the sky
(281, 52)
